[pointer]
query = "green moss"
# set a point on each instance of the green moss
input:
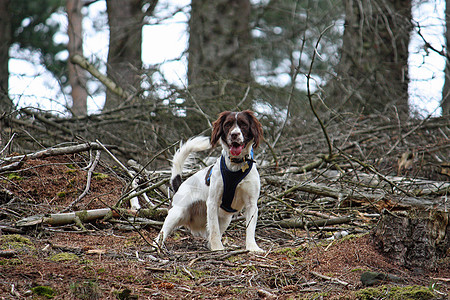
(10, 262)
(61, 194)
(291, 252)
(13, 176)
(63, 256)
(100, 176)
(44, 291)
(82, 215)
(395, 293)
(16, 242)
(15, 238)
(185, 275)
(88, 290)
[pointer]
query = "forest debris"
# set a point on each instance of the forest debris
(217, 256)
(299, 222)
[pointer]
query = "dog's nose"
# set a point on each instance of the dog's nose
(234, 136)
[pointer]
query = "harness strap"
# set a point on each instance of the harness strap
(230, 182)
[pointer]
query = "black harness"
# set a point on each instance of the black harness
(231, 180)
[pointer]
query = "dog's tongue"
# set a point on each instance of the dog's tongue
(236, 150)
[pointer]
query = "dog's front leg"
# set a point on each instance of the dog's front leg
(251, 217)
(212, 221)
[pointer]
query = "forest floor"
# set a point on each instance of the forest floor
(378, 167)
(108, 260)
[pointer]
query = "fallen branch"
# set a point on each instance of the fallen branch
(329, 278)
(86, 216)
(88, 183)
(379, 198)
(299, 222)
(56, 151)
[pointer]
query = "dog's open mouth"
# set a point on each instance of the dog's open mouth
(236, 148)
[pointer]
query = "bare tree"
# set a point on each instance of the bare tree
(219, 53)
(5, 41)
(372, 75)
(445, 104)
(77, 76)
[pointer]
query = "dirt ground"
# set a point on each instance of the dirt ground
(108, 260)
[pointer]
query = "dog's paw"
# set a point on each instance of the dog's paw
(254, 249)
(216, 247)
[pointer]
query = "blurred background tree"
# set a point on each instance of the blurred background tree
(240, 55)
(372, 74)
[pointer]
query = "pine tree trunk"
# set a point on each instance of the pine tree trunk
(372, 75)
(77, 76)
(445, 104)
(5, 42)
(125, 18)
(219, 54)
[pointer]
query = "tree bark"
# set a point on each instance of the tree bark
(445, 104)
(416, 239)
(219, 53)
(6, 104)
(77, 76)
(372, 75)
(125, 39)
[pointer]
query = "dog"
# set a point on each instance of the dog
(206, 201)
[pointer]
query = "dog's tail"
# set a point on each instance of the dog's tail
(195, 144)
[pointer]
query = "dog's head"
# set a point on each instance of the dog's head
(237, 130)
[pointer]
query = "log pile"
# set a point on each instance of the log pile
(381, 173)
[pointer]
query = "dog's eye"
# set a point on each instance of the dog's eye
(243, 125)
(227, 125)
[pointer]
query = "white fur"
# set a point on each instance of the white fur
(197, 206)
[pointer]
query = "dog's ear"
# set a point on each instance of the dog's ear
(217, 130)
(256, 129)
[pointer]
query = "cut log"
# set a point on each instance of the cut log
(415, 239)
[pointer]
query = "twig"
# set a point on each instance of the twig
(88, 183)
(329, 278)
(220, 256)
(7, 144)
(115, 158)
(47, 121)
(308, 77)
(149, 188)
(373, 170)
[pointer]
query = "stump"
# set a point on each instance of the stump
(414, 239)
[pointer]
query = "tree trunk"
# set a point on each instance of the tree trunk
(6, 104)
(77, 76)
(219, 54)
(416, 239)
(372, 75)
(125, 39)
(445, 104)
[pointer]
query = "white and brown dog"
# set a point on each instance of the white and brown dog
(206, 201)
